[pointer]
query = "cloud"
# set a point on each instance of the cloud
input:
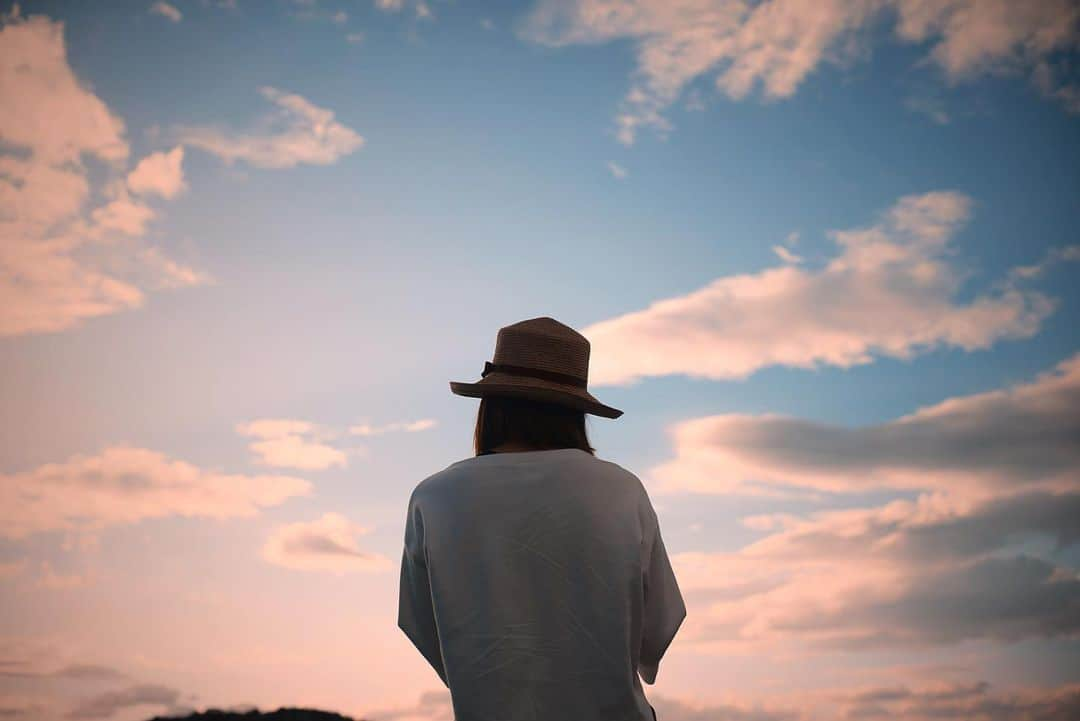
(777, 44)
(285, 443)
(72, 248)
(366, 429)
(673, 709)
(786, 255)
(12, 569)
(123, 485)
(327, 544)
(865, 579)
(932, 702)
(964, 701)
(979, 36)
(1052, 257)
(20, 707)
(108, 703)
(52, 580)
(291, 443)
(159, 174)
(890, 292)
(166, 10)
(421, 9)
(1022, 437)
(980, 554)
(618, 171)
(932, 108)
(299, 132)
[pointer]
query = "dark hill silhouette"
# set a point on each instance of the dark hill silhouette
(282, 714)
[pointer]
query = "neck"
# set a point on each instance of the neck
(514, 448)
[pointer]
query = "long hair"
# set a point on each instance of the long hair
(540, 425)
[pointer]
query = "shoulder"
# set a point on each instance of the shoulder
(435, 483)
(630, 479)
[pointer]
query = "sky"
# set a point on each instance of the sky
(825, 254)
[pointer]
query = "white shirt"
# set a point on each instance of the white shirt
(537, 586)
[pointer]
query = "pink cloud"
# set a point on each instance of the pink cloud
(159, 174)
(123, 485)
(777, 44)
(56, 264)
(890, 291)
(286, 443)
(1000, 440)
(326, 544)
(299, 132)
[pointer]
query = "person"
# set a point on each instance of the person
(534, 578)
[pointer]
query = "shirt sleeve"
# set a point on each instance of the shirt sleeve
(416, 616)
(664, 609)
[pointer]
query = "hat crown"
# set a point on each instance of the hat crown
(543, 343)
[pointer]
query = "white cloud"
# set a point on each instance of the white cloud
(366, 429)
(777, 44)
(63, 237)
(287, 443)
(326, 544)
(299, 132)
(159, 174)
(123, 485)
(166, 10)
(618, 171)
(890, 291)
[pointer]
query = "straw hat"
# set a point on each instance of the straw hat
(542, 359)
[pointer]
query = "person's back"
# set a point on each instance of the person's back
(534, 578)
(550, 582)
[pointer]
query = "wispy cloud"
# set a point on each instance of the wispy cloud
(107, 704)
(326, 544)
(123, 485)
(421, 10)
(299, 132)
(367, 429)
(618, 171)
(73, 246)
(166, 10)
(290, 443)
(891, 291)
(786, 255)
(777, 44)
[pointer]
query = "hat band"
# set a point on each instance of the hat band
(566, 378)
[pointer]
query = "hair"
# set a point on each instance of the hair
(537, 424)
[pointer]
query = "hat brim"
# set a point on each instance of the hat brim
(501, 384)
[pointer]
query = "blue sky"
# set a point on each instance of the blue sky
(359, 196)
